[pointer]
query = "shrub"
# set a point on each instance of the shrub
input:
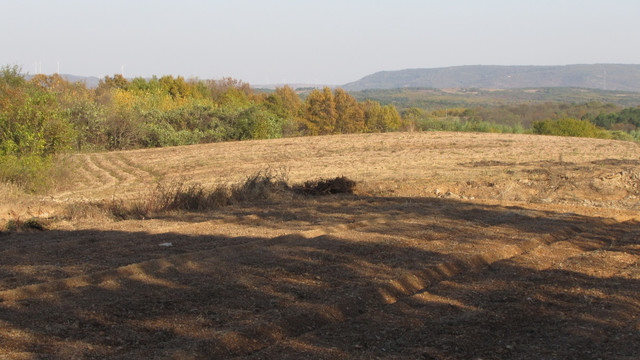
(162, 134)
(30, 173)
(621, 135)
(255, 123)
(435, 124)
(339, 185)
(264, 185)
(32, 224)
(267, 185)
(569, 127)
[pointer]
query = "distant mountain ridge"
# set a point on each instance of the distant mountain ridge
(624, 77)
(91, 81)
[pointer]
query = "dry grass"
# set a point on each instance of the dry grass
(267, 185)
(17, 223)
(467, 166)
(10, 192)
(421, 162)
(339, 185)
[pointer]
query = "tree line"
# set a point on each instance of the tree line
(590, 119)
(46, 114)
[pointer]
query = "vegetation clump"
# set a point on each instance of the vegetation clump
(569, 127)
(31, 224)
(338, 185)
(267, 185)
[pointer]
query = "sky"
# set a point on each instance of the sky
(330, 42)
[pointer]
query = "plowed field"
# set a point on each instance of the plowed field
(454, 246)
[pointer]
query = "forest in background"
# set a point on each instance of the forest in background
(47, 115)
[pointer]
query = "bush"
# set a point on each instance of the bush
(32, 224)
(253, 123)
(264, 185)
(339, 185)
(267, 185)
(569, 127)
(435, 124)
(621, 135)
(162, 134)
(30, 173)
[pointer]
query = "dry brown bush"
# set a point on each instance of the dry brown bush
(266, 185)
(339, 185)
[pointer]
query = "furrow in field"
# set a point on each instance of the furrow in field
(89, 178)
(126, 163)
(106, 162)
(103, 176)
(80, 172)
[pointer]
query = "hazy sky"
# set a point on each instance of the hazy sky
(304, 41)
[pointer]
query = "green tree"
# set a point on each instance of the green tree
(33, 127)
(320, 111)
(88, 120)
(176, 87)
(381, 118)
(569, 127)
(123, 128)
(349, 114)
(284, 102)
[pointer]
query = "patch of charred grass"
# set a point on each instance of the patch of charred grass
(264, 186)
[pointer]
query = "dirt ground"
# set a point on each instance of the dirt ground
(454, 246)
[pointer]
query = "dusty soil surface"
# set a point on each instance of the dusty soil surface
(455, 246)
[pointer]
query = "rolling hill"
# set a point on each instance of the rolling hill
(596, 76)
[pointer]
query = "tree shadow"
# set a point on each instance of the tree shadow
(353, 278)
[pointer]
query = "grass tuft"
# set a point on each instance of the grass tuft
(339, 185)
(267, 185)
(31, 224)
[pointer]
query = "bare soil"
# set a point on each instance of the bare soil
(453, 246)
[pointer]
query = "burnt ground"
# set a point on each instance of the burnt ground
(333, 277)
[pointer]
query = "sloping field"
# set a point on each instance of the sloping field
(523, 168)
(455, 246)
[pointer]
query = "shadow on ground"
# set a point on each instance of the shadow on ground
(352, 278)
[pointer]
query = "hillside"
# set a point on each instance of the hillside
(596, 76)
(454, 246)
(432, 99)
